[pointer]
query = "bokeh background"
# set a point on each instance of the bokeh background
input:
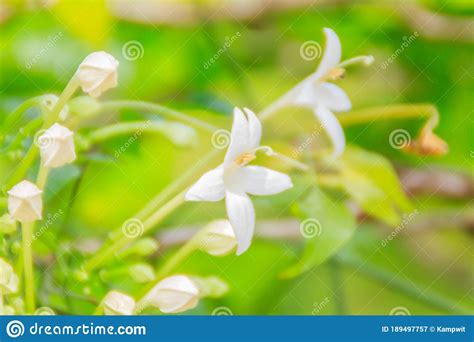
(425, 269)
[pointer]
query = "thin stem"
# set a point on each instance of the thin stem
(123, 240)
(27, 234)
(50, 118)
(338, 281)
(15, 116)
(401, 285)
(159, 109)
(42, 177)
(70, 89)
(366, 60)
(397, 112)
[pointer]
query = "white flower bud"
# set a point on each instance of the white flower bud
(118, 303)
(24, 202)
(173, 294)
(141, 273)
(57, 146)
(49, 101)
(97, 73)
(219, 238)
(8, 278)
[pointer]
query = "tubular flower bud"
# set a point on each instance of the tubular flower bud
(24, 202)
(174, 294)
(118, 303)
(219, 238)
(97, 73)
(57, 146)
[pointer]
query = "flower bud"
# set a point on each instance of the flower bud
(57, 146)
(8, 278)
(24, 202)
(174, 294)
(141, 273)
(49, 101)
(118, 303)
(97, 73)
(7, 224)
(218, 239)
(212, 287)
(143, 247)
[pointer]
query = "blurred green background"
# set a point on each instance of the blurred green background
(427, 269)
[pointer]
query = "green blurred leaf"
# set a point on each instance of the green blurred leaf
(327, 223)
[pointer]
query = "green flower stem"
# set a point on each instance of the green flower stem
(394, 112)
(159, 109)
(29, 286)
(50, 118)
(42, 177)
(123, 240)
(338, 280)
(70, 89)
(15, 116)
(400, 284)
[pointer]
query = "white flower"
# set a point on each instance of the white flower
(8, 278)
(98, 73)
(24, 202)
(174, 294)
(118, 303)
(49, 101)
(233, 180)
(57, 146)
(219, 238)
(322, 97)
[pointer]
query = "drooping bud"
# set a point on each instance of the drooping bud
(97, 73)
(174, 294)
(218, 239)
(24, 202)
(57, 146)
(8, 278)
(118, 303)
(84, 106)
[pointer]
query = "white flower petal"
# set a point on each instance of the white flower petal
(210, 187)
(242, 218)
(258, 180)
(332, 97)
(332, 53)
(239, 136)
(255, 129)
(333, 128)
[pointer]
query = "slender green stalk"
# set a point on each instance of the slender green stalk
(29, 286)
(400, 284)
(123, 240)
(50, 118)
(42, 177)
(395, 112)
(15, 116)
(337, 280)
(70, 89)
(159, 109)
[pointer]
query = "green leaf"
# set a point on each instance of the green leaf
(327, 224)
(370, 180)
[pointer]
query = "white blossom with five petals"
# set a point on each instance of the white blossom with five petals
(322, 97)
(234, 180)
